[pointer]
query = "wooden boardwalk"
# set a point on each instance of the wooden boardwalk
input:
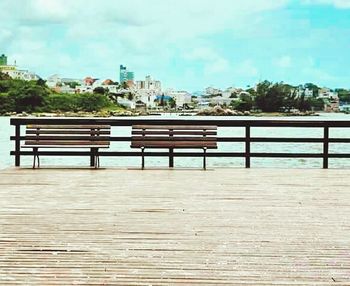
(174, 227)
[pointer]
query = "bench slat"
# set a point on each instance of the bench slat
(176, 144)
(62, 142)
(167, 132)
(34, 126)
(67, 138)
(67, 132)
(170, 138)
(175, 127)
(66, 146)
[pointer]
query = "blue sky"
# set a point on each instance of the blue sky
(187, 44)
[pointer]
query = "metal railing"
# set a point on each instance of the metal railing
(247, 139)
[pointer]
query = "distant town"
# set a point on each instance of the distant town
(148, 93)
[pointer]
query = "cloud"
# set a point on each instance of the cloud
(247, 69)
(221, 41)
(213, 62)
(341, 4)
(283, 62)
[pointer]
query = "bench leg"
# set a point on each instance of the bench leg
(143, 158)
(36, 156)
(204, 159)
(96, 158)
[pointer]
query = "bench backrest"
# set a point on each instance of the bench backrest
(68, 135)
(174, 136)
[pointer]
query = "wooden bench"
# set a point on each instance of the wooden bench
(93, 137)
(174, 136)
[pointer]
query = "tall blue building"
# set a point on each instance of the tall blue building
(125, 75)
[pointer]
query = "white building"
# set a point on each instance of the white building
(148, 84)
(148, 97)
(181, 97)
(220, 100)
(213, 91)
(53, 81)
(15, 73)
(126, 102)
(327, 93)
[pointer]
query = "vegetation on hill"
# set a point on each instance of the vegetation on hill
(34, 96)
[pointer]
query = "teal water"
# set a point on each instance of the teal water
(6, 145)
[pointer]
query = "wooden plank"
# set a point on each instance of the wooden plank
(64, 137)
(241, 227)
(65, 146)
(175, 144)
(172, 138)
(176, 127)
(36, 126)
(167, 132)
(67, 132)
(68, 142)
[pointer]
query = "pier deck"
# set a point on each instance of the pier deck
(174, 227)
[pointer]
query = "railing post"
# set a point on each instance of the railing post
(247, 146)
(17, 145)
(325, 146)
(171, 157)
(171, 151)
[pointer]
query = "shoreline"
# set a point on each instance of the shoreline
(160, 113)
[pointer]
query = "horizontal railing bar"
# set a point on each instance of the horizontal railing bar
(240, 139)
(128, 154)
(182, 154)
(187, 121)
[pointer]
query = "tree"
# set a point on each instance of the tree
(245, 103)
(270, 97)
(344, 95)
(28, 97)
(41, 82)
(73, 84)
(100, 90)
(124, 85)
(172, 102)
(312, 87)
(4, 76)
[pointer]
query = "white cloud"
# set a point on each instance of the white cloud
(341, 4)
(284, 62)
(247, 69)
(82, 37)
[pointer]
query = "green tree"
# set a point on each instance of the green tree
(73, 84)
(28, 96)
(270, 97)
(344, 95)
(100, 90)
(245, 103)
(172, 102)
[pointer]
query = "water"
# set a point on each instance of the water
(6, 160)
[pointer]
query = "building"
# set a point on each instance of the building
(149, 84)
(15, 73)
(181, 97)
(213, 91)
(3, 60)
(126, 76)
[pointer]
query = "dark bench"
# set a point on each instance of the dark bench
(174, 136)
(93, 137)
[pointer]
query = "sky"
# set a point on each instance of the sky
(187, 44)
